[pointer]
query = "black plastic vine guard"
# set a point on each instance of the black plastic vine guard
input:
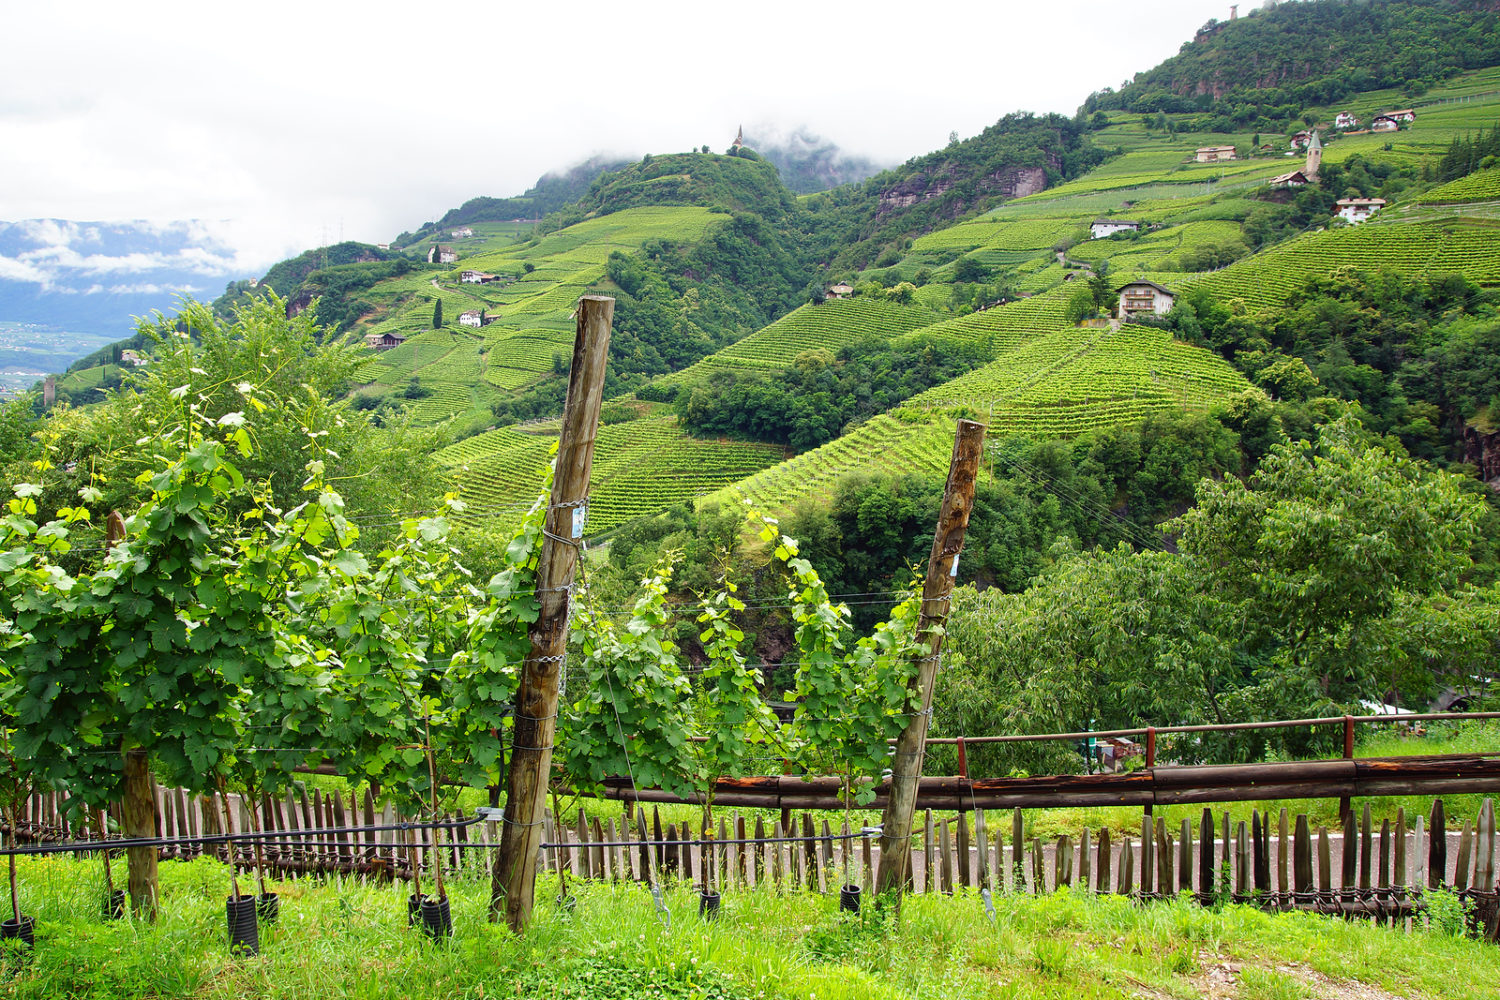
(849, 898)
(708, 905)
(414, 908)
(22, 930)
(244, 932)
(114, 905)
(436, 920)
(268, 907)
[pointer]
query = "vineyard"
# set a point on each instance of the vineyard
(641, 467)
(829, 327)
(898, 444)
(1071, 381)
(1482, 185)
(1267, 279)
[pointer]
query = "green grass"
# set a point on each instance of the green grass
(345, 939)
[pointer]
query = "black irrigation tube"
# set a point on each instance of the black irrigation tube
(123, 844)
(298, 838)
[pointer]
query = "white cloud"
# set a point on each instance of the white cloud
(300, 124)
(12, 269)
(150, 288)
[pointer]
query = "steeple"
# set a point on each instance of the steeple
(739, 139)
(1314, 157)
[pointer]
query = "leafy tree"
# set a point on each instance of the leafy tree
(1081, 305)
(1332, 575)
(293, 375)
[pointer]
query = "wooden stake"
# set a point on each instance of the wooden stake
(513, 879)
(942, 569)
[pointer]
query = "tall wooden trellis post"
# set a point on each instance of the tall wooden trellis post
(513, 879)
(942, 570)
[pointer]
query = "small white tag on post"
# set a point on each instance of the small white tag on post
(954, 571)
(579, 514)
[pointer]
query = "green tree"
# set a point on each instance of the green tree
(1332, 575)
(437, 314)
(1081, 305)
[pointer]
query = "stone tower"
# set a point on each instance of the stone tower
(1314, 157)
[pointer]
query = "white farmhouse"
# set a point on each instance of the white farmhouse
(471, 318)
(1213, 154)
(1345, 119)
(462, 233)
(1357, 210)
(1145, 297)
(1100, 228)
(438, 254)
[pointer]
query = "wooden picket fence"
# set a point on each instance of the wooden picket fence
(1277, 862)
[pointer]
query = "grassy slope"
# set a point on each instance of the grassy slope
(350, 940)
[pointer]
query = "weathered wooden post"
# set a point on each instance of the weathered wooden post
(942, 568)
(513, 879)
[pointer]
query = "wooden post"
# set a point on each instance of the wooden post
(1344, 809)
(513, 879)
(942, 569)
(1150, 763)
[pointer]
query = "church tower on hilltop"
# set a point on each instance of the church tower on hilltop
(1314, 158)
(739, 139)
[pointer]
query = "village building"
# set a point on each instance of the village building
(471, 318)
(739, 139)
(1100, 228)
(1314, 158)
(254, 282)
(1139, 297)
(1214, 154)
(462, 233)
(382, 246)
(1345, 119)
(1295, 179)
(1406, 115)
(384, 341)
(1383, 123)
(1301, 139)
(1357, 210)
(132, 358)
(840, 291)
(477, 277)
(437, 254)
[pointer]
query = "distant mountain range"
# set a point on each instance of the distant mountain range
(93, 276)
(76, 285)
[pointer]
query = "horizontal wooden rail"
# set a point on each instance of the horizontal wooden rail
(1316, 779)
(1219, 727)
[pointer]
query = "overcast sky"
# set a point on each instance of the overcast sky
(287, 125)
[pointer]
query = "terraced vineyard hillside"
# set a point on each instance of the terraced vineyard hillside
(1051, 378)
(1463, 246)
(829, 326)
(920, 442)
(528, 330)
(640, 467)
